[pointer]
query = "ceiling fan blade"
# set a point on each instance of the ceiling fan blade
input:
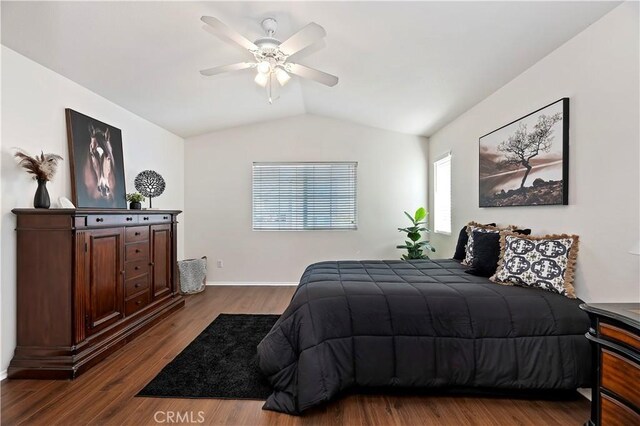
(227, 68)
(303, 38)
(312, 74)
(227, 32)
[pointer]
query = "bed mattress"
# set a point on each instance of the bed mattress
(419, 323)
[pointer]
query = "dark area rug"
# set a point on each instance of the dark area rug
(222, 362)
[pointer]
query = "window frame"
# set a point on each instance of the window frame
(446, 157)
(354, 226)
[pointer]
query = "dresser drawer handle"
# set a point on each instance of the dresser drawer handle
(165, 217)
(150, 263)
(137, 285)
(99, 219)
(136, 268)
(129, 219)
(145, 218)
(137, 250)
(136, 233)
(139, 302)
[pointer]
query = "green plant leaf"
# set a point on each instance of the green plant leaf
(427, 245)
(410, 217)
(421, 213)
(414, 236)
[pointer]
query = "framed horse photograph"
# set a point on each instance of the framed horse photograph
(97, 166)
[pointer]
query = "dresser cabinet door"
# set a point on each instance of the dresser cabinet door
(161, 260)
(105, 297)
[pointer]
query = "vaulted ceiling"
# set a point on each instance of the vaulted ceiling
(410, 67)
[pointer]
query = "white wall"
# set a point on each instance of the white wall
(392, 177)
(599, 71)
(33, 103)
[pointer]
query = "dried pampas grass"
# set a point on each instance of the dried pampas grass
(42, 167)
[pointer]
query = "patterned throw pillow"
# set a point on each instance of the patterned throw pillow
(542, 262)
(476, 227)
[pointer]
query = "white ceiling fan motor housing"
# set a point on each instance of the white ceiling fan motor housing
(269, 42)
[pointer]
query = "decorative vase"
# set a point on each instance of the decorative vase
(134, 205)
(41, 199)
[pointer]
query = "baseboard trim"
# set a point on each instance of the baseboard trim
(3, 374)
(250, 283)
(586, 392)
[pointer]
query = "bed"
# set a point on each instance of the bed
(419, 323)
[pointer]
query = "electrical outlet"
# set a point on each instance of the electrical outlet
(220, 263)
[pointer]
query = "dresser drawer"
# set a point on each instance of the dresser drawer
(137, 251)
(136, 303)
(621, 376)
(111, 219)
(136, 268)
(615, 413)
(154, 218)
(619, 335)
(136, 285)
(136, 233)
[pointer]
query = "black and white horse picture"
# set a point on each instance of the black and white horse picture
(97, 167)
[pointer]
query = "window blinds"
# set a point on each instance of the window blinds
(442, 195)
(304, 196)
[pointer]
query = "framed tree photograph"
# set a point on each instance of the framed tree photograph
(526, 162)
(97, 166)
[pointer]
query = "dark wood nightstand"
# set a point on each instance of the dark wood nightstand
(615, 338)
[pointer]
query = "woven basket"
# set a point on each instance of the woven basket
(193, 275)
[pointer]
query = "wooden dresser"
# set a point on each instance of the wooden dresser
(615, 336)
(88, 281)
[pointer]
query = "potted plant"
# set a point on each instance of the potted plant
(413, 245)
(135, 199)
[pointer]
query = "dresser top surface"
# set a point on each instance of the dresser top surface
(79, 212)
(628, 313)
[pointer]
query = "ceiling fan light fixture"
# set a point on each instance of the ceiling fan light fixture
(262, 79)
(271, 55)
(264, 67)
(282, 76)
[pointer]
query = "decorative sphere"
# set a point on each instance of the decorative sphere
(149, 183)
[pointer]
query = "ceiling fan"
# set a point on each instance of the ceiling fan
(271, 55)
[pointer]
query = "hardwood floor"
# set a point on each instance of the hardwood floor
(105, 394)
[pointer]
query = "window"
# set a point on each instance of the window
(304, 196)
(442, 195)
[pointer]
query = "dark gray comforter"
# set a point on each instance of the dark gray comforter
(419, 324)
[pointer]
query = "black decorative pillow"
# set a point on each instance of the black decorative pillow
(472, 227)
(463, 237)
(542, 262)
(486, 252)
